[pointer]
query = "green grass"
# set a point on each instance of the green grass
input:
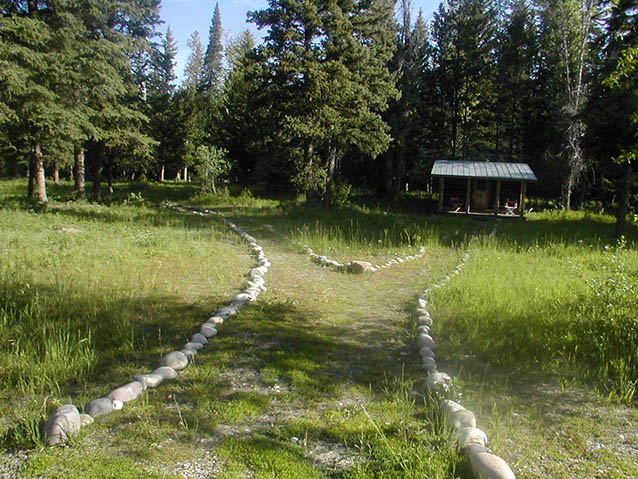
(322, 367)
(92, 293)
(554, 293)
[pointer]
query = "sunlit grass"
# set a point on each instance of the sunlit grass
(539, 297)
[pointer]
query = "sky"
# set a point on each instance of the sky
(186, 16)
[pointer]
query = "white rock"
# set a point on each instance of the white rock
(471, 435)
(175, 360)
(64, 421)
(425, 340)
(243, 297)
(215, 320)
(429, 363)
(423, 329)
(150, 380)
(489, 466)
(426, 352)
(166, 372)
(189, 353)
(424, 321)
(208, 330)
(193, 346)
(228, 310)
(118, 405)
(422, 303)
(447, 407)
(462, 418)
(199, 338)
(360, 267)
(99, 407)
(126, 393)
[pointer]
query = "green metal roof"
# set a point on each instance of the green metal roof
(484, 170)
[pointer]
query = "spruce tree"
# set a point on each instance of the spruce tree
(213, 68)
(193, 71)
(326, 82)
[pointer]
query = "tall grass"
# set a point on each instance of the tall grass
(91, 294)
(355, 229)
(536, 297)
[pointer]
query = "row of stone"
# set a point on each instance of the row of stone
(67, 420)
(470, 438)
(359, 267)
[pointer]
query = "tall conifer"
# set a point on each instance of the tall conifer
(213, 68)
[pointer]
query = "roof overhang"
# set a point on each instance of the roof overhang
(483, 170)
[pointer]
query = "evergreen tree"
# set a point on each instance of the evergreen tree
(326, 82)
(166, 120)
(213, 68)
(35, 55)
(193, 71)
(616, 91)
(409, 63)
(463, 34)
(517, 51)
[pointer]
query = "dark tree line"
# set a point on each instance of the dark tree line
(341, 92)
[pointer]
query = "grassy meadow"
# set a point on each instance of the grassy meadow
(319, 377)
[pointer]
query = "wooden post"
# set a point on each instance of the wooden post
(467, 196)
(521, 203)
(497, 204)
(441, 190)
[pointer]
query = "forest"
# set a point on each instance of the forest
(340, 96)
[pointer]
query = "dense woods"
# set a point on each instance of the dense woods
(340, 94)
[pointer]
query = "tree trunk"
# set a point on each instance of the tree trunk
(212, 181)
(79, 173)
(39, 173)
(186, 173)
(332, 175)
(96, 153)
(162, 173)
(31, 177)
(388, 168)
(56, 173)
(109, 177)
(623, 200)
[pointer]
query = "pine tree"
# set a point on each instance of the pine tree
(327, 82)
(516, 54)
(213, 68)
(463, 35)
(616, 90)
(35, 53)
(166, 123)
(193, 70)
(409, 63)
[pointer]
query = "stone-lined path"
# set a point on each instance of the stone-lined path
(369, 318)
